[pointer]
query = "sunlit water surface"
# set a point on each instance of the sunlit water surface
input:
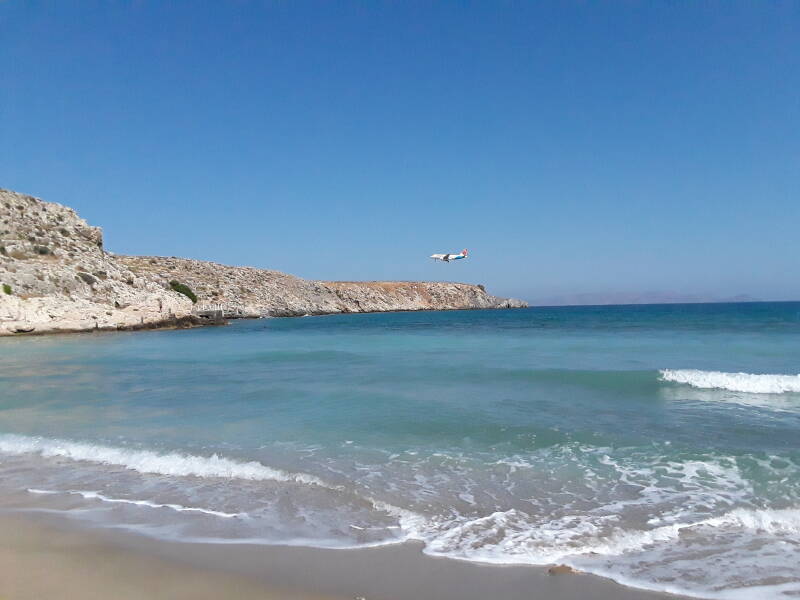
(657, 445)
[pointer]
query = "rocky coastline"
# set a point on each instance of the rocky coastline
(56, 276)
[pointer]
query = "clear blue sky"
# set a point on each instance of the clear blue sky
(571, 146)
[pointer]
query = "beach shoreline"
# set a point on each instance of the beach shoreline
(45, 556)
(447, 456)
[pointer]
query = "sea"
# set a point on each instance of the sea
(656, 445)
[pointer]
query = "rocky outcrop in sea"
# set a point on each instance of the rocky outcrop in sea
(55, 275)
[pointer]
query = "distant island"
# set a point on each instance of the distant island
(56, 276)
(620, 298)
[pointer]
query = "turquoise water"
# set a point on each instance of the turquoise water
(657, 445)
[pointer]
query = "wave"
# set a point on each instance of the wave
(642, 558)
(147, 461)
(597, 541)
(513, 537)
(182, 465)
(734, 382)
(91, 495)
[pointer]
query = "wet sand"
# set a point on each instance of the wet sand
(43, 558)
(41, 561)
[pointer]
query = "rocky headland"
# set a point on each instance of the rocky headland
(56, 276)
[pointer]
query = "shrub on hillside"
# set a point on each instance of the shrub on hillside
(7, 289)
(183, 289)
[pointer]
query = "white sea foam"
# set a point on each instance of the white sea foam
(744, 549)
(773, 521)
(691, 503)
(770, 521)
(92, 495)
(147, 461)
(180, 465)
(734, 382)
(633, 556)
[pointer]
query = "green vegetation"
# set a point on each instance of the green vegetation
(183, 289)
(7, 289)
(43, 250)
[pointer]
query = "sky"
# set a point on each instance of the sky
(598, 148)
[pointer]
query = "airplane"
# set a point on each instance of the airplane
(449, 257)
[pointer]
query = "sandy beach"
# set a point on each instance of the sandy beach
(40, 561)
(45, 558)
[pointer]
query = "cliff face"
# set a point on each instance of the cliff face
(57, 277)
(251, 292)
(415, 295)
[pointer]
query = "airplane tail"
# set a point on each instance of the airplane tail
(464, 252)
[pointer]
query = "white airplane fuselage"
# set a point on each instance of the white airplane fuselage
(449, 257)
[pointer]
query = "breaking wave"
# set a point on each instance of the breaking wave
(668, 508)
(147, 461)
(734, 382)
(512, 537)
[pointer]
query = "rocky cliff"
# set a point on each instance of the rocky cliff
(250, 292)
(56, 276)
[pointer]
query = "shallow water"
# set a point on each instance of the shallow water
(657, 445)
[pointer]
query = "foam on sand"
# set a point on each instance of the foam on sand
(91, 495)
(684, 524)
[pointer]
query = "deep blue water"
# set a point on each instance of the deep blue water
(654, 444)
